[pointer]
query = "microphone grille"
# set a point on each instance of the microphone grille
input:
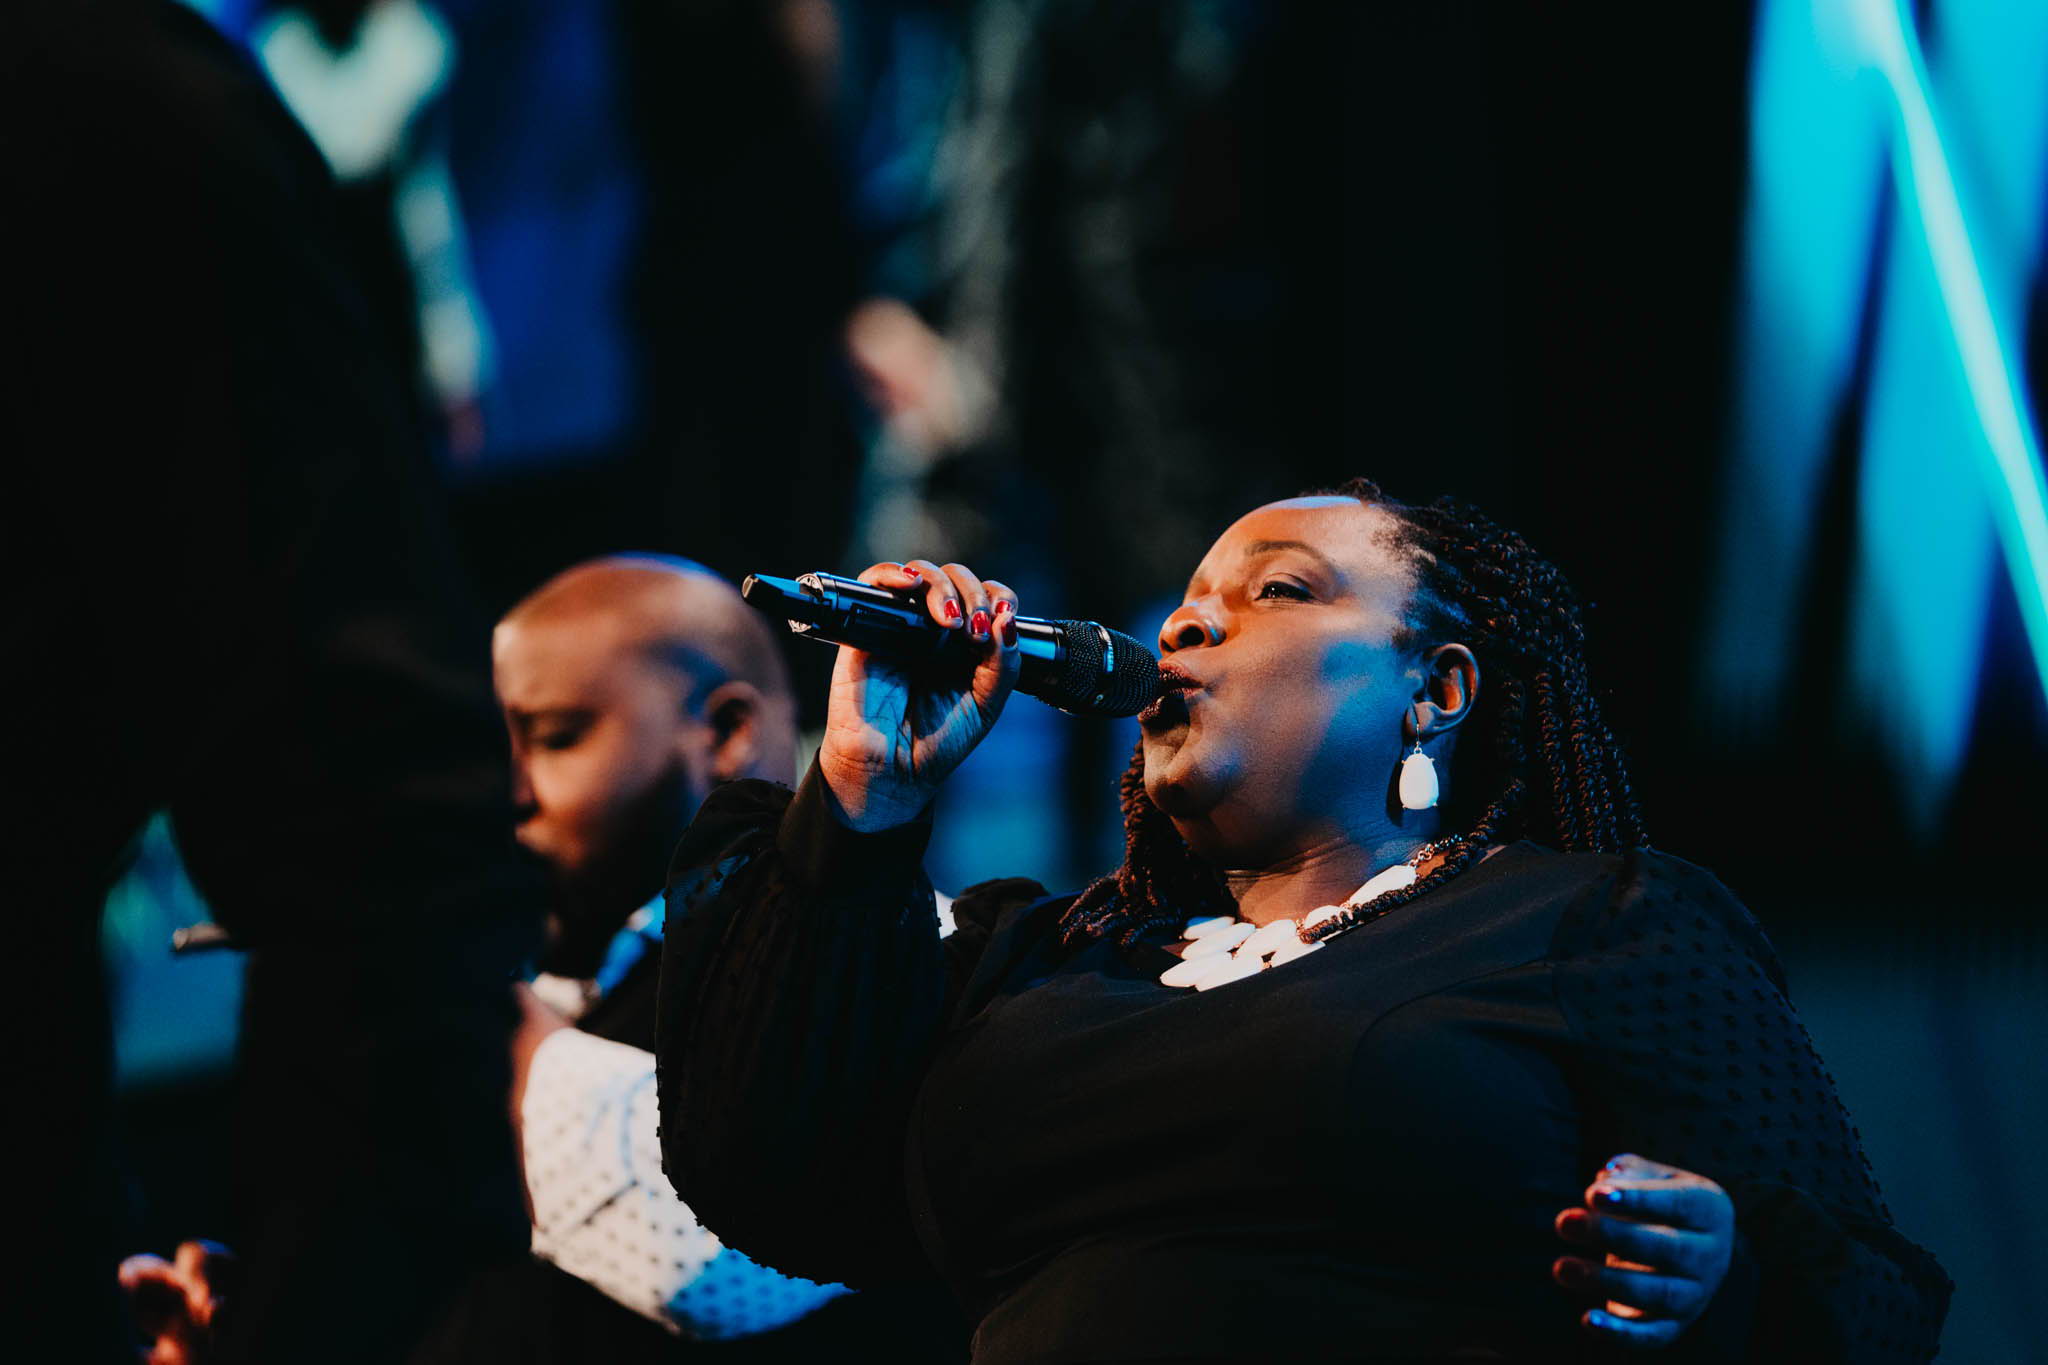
(1106, 672)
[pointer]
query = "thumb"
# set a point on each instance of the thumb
(1629, 1166)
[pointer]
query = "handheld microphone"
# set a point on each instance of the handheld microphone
(1083, 668)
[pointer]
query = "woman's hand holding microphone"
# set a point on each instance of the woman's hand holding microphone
(893, 735)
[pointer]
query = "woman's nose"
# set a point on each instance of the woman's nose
(1187, 628)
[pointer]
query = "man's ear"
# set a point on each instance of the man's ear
(733, 711)
(1450, 688)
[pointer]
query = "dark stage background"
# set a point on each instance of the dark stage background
(1060, 288)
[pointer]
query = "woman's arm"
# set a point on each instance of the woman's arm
(802, 983)
(1695, 1056)
(803, 988)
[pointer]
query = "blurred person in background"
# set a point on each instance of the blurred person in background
(631, 686)
(234, 576)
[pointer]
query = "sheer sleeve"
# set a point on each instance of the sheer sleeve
(804, 987)
(1695, 1057)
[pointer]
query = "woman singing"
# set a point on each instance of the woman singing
(1334, 1066)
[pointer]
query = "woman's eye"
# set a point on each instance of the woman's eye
(559, 739)
(1281, 588)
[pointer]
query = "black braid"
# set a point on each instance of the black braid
(1564, 819)
(1482, 584)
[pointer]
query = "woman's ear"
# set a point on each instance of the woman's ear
(733, 711)
(1450, 688)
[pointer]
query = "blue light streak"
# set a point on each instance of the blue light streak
(1927, 184)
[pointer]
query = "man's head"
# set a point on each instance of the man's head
(631, 685)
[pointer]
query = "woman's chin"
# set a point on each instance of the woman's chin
(1176, 780)
(1162, 758)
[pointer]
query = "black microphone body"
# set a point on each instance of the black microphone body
(1078, 666)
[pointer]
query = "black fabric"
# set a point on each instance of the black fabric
(806, 1035)
(625, 1013)
(1357, 1155)
(232, 597)
(533, 1314)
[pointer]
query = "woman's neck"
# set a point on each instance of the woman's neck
(1324, 873)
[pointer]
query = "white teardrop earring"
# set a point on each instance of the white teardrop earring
(1418, 780)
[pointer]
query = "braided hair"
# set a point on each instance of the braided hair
(1537, 760)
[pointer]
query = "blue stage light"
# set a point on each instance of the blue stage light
(1894, 221)
(1928, 185)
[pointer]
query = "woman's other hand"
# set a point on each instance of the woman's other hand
(1666, 1235)
(892, 736)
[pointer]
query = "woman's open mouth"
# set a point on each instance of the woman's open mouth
(1170, 707)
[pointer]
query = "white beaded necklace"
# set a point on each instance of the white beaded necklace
(1223, 948)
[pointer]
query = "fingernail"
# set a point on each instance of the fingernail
(1010, 631)
(952, 611)
(1610, 1196)
(1615, 1164)
(1573, 1273)
(979, 626)
(1600, 1318)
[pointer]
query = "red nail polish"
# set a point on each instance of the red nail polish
(979, 626)
(952, 611)
(1010, 631)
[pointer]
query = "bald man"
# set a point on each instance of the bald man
(630, 685)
